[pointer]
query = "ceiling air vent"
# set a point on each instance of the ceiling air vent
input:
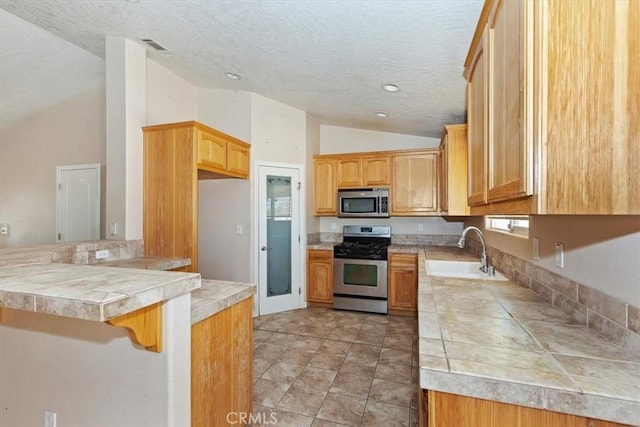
(154, 44)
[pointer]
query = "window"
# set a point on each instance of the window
(517, 225)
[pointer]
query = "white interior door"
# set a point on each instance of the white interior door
(78, 203)
(280, 281)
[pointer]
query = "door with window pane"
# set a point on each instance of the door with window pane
(279, 246)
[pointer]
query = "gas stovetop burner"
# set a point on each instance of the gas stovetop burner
(364, 242)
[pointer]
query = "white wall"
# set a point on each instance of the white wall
(277, 133)
(170, 98)
(72, 132)
(126, 89)
(313, 147)
(225, 203)
(335, 139)
(90, 373)
(601, 252)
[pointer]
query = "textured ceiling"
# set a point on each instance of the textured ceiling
(328, 58)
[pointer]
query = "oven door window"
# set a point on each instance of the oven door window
(360, 275)
(359, 205)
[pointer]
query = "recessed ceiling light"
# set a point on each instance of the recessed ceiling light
(382, 114)
(232, 76)
(390, 87)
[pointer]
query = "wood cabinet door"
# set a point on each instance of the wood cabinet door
(212, 151)
(324, 187)
(414, 185)
(237, 159)
(376, 170)
(508, 146)
(403, 282)
(477, 122)
(443, 190)
(320, 275)
(349, 172)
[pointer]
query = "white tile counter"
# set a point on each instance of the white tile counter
(500, 341)
(88, 292)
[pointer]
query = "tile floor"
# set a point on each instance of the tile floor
(323, 367)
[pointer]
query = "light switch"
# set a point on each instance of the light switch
(4, 229)
(536, 249)
(239, 229)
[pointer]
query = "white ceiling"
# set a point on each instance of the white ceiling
(328, 58)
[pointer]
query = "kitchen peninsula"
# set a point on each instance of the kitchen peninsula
(61, 353)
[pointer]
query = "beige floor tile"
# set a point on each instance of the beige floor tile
(322, 362)
(393, 356)
(335, 347)
(398, 373)
(306, 343)
(282, 418)
(282, 372)
(332, 362)
(260, 366)
(378, 414)
(315, 378)
(353, 365)
(390, 392)
(342, 409)
(302, 400)
(351, 385)
(268, 393)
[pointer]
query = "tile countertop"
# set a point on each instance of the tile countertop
(500, 341)
(216, 295)
(88, 292)
(148, 263)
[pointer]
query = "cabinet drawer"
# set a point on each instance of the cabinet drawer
(403, 261)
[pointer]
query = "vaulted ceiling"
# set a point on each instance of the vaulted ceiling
(329, 58)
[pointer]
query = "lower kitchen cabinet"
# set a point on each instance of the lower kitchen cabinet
(403, 282)
(439, 409)
(222, 365)
(320, 276)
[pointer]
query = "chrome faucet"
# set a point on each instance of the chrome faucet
(484, 264)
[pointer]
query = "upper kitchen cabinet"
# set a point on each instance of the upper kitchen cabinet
(219, 153)
(364, 170)
(453, 171)
(325, 195)
(414, 185)
(560, 108)
(476, 74)
(175, 156)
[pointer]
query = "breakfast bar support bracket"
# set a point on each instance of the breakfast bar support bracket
(144, 326)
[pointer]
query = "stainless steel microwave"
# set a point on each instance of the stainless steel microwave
(363, 203)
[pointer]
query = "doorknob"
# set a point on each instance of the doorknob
(264, 248)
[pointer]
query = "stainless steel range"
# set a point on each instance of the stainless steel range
(360, 269)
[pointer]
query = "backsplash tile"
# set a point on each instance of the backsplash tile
(608, 315)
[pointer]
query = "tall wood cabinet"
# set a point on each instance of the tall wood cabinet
(555, 126)
(176, 155)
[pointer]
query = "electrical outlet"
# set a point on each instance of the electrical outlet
(334, 226)
(239, 229)
(559, 255)
(536, 249)
(102, 254)
(113, 230)
(49, 419)
(420, 227)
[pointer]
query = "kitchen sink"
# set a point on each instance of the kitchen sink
(460, 269)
